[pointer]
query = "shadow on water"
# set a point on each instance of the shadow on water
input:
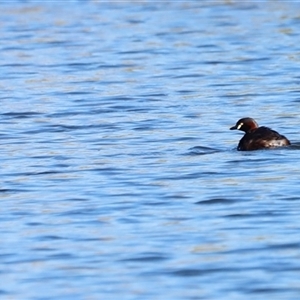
(201, 150)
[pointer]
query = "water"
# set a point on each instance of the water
(120, 177)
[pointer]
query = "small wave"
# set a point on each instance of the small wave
(200, 150)
(294, 146)
(216, 201)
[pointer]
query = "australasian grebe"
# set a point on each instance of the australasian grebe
(256, 138)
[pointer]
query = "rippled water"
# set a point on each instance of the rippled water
(120, 178)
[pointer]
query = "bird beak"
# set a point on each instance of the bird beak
(233, 127)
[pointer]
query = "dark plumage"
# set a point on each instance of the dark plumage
(256, 138)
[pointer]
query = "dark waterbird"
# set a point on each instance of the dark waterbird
(256, 137)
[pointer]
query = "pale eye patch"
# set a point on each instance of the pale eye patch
(240, 125)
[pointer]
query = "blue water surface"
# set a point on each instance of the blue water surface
(120, 178)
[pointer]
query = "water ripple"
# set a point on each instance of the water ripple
(118, 171)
